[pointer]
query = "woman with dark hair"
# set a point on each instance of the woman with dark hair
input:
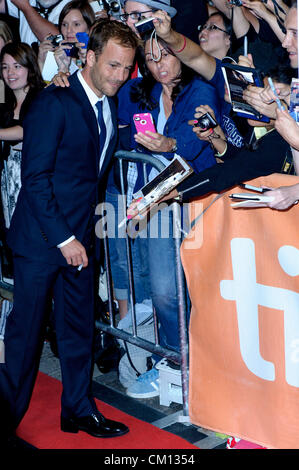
(77, 16)
(168, 91)
(215, 35)
(22, 79)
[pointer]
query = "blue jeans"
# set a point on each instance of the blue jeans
(162, 275)
(118, 255)
(154, 268)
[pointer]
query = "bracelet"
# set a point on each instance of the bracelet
(174, 147)
(184, 45)
(221, 154)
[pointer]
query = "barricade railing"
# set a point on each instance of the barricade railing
(181, 357)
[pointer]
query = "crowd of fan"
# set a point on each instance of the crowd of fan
(176, 80)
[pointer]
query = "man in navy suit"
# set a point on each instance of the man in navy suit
(69, 139)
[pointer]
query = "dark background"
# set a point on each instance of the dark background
(190, 14)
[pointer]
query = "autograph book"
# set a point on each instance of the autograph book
(237, 78)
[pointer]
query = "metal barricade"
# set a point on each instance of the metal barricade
(180, 358)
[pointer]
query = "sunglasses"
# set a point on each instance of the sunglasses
(210, 27)
(135, 15)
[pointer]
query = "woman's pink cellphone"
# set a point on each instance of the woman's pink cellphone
(144, 122)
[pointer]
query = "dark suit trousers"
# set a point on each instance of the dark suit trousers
(35, 282)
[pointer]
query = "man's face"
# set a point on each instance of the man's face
(109, 70)
(47, 3)
(132, 9)
(290, 42)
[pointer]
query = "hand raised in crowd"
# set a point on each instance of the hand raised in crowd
(246, 61)
(82, 51)
(62, 59)
(155, 142)
(282, 89)
(287, 128)
(201, 133)
(162, 23)
(252, 95)
(44, 47)
(257, 8)
(270, 7)
(215, 136)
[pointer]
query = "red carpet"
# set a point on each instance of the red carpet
(41, 425)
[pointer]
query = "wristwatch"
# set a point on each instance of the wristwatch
(174, 148)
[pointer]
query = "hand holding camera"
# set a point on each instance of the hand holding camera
(207, 128)
(49, 44)
(62, 56)
(204, 122)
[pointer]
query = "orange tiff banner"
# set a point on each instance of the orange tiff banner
(242, 271)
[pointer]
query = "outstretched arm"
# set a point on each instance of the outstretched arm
(186, 50)
(39, 25)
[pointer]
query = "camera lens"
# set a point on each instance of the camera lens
(204, 122)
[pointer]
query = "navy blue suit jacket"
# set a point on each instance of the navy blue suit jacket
(60, 172)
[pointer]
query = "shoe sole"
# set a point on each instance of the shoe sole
(143, 395)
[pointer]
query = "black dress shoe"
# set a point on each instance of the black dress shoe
(95, 424)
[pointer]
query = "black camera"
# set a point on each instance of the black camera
(205, 122)
(55, 40)
(112, 7)
(145, 25)
(73, 52)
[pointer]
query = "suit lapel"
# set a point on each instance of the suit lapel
(88, 113)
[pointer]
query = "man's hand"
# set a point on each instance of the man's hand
(75, 253)
(284, 197)
(252, 95)
(287, 128)
(283, 91)
(61, 79)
